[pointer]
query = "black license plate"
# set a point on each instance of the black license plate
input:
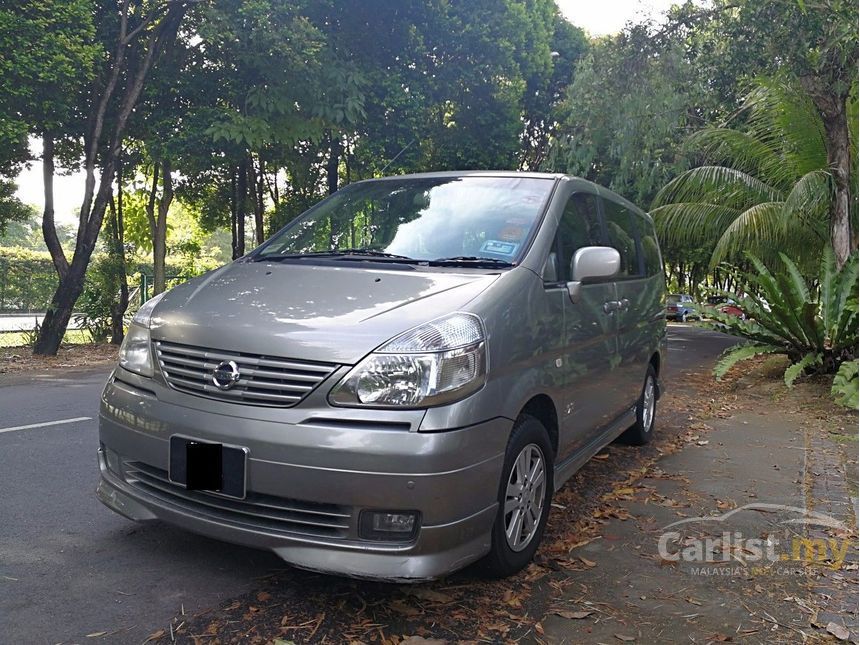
(201, 465)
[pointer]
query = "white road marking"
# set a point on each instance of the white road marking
(45, 425)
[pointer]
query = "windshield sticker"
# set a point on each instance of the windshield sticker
(500, 247)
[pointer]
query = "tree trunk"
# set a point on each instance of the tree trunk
(831, 106)
(159, 232)
(839, 160)
(333, 162)
(234, 211)
(49, 231)
(259, 201)
(118, 234)
(151, 216)
(241, 209)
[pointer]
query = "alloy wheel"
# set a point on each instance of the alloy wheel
(524, 497)
(649, 398)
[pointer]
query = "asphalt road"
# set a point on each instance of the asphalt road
(70, 568)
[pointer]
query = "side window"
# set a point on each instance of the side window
(650, 247)
(622, 233)
(579, 226)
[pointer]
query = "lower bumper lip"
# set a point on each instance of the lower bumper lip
(437, 551)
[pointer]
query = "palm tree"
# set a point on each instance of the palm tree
(765, 189)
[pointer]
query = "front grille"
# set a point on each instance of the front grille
(256, 511)
(264, 380)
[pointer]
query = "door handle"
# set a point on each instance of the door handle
(611, 306)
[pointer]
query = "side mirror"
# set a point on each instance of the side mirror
(592, 263)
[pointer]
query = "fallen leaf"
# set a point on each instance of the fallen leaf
(96, 634)
(573, 615)
(693, 601)
(402, 608)
(838, 631)
(264, 596)
(624, 637)
(588, 563)
(429, 594)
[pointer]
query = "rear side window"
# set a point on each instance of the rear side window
(579, 226)
(650, 247)
(622, 232)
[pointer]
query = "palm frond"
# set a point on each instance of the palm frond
(758, 229)
(691, 224)
(782, 114)
(741, 151)
(794, 370)
(844, 388)
(717, 185)
(827, 276)
(808, 203)
(734, 355)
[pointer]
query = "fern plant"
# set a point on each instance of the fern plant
(815, 326)
(846, 388)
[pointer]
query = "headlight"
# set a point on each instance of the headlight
(438, 362)
(135, 354)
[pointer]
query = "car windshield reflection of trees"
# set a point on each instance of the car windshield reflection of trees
(430, 220)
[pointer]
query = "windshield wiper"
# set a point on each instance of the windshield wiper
(335, 253)
(470, 260)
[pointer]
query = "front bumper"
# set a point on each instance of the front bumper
(307, 485)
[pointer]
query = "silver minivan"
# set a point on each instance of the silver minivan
(394, 385)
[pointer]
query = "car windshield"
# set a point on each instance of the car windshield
(673, 300)
(479, 220)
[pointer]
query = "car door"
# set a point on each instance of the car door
(639, 299)
(589, 331)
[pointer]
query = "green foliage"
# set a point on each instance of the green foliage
(11, 208)
(632, 101)
(846, 385)
(101, 292)
(763, 188)
(27, 279)
(46, 52)
(814, 325)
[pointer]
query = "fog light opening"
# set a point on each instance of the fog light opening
(396, 526)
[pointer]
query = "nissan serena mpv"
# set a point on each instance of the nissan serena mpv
(394, 385)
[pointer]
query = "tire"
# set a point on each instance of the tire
(529, 441)
(642, 431)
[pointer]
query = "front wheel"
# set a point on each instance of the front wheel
(646, 410)
(525, 492)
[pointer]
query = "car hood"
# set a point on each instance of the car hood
(308, 311)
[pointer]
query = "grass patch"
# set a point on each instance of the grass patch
(19, 338)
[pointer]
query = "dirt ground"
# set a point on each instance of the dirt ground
(598, 577)
(16, 360)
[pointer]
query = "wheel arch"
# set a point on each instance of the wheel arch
(542, 408)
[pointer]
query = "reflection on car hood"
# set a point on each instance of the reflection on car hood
(307, 311)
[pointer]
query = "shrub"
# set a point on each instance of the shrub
(815, 326)
(845, 385)
(100, 294)
(27, 279)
